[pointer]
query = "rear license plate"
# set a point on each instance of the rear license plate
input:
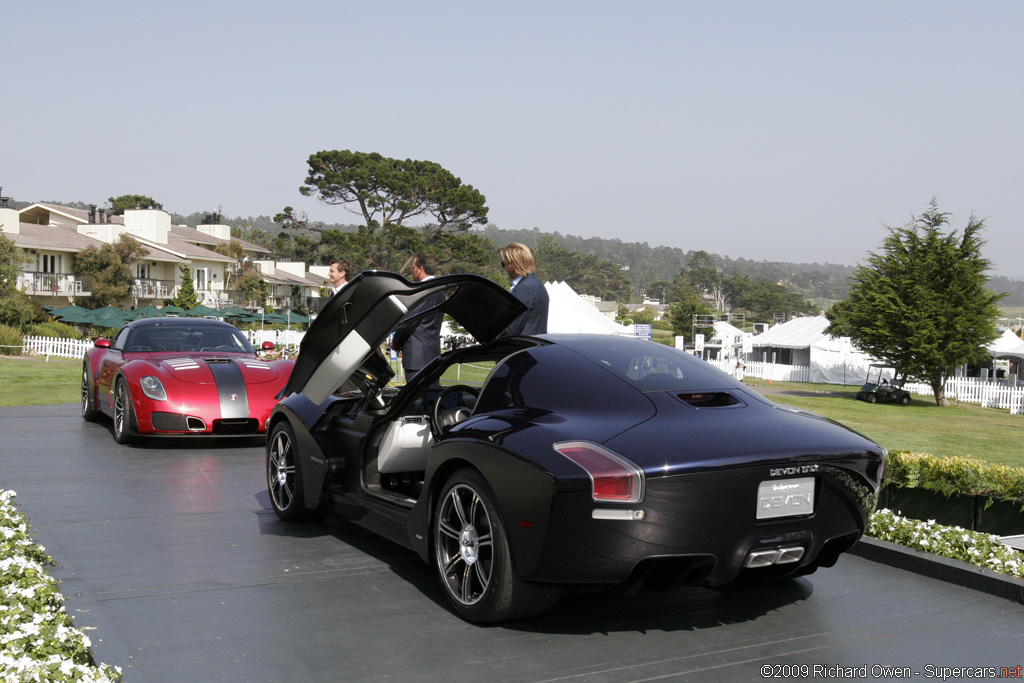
(785, 498)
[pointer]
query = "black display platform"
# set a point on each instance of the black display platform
(170, 552)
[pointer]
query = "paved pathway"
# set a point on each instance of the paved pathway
(171, 553)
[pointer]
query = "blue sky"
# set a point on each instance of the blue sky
(765, 130)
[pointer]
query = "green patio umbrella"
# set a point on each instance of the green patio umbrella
(202, 312)
(81, 316)
(171, 309)
(148, 311)
(109, 319)
(235, 311)
(108, 309)
(296, 318)
(64, 310)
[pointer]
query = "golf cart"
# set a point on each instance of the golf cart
(881, 387)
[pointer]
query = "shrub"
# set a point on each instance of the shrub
(16, 309)
(955, 475)
(10, 341)
(53, 328)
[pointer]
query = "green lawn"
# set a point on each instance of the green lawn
(983, 433)
(966, 429)
(35, 381)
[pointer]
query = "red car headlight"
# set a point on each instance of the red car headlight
(152, 388)
(613, 478)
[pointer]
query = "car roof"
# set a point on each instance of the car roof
(170, 320)
(347, 334)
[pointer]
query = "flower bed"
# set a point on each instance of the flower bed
(980, 549)
(38, 642)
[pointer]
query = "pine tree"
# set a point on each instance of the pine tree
(921, 305)
(186, 298)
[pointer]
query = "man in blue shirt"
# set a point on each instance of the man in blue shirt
(517, 260)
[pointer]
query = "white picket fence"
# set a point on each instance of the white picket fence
(55, 346)
(76, 348)
(762, 370)
(986, 393)
(288, 338)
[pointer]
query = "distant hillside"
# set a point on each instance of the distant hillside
(646, 267)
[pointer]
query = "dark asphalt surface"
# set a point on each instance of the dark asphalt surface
(172, 560)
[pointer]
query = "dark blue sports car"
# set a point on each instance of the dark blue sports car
(523, 465)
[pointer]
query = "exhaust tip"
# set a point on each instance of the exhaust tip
(768, 556)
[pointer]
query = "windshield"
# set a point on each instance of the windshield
(185, 337)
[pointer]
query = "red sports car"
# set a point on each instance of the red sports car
(177, 376)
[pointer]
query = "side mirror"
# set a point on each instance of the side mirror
(102, 344)
(268, 346)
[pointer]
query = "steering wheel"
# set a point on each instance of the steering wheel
(444, 419)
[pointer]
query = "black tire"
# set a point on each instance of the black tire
(904, 399)
(89, 412)
(124, 413)
(472, 557)
(284, 478)
(872, 398)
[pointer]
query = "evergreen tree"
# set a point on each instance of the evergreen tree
(118, 205)
(688, 311)
(15, 306)
(921, 304)
(111, 269)
(186, 298)
(387, 194)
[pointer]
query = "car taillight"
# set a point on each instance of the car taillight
(614, 479)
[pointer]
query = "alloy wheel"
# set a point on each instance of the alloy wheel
(464, 544)
(281, 471)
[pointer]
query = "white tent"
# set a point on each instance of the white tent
(1008, 345)
(797, 335)
(569, 314)
(832, 360)
(835, 360)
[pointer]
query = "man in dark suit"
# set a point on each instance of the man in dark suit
(420, 340)
(517, 260)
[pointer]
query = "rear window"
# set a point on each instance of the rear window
(649, 366)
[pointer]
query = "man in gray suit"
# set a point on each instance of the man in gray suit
(420, 340)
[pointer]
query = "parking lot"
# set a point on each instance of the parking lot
(169, 555)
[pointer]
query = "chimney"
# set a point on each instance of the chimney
(102, 211)
(92, 213)
(10, 218)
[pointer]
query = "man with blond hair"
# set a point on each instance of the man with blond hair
(517, 260)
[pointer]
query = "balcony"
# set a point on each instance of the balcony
(153, 289)
(233, 297)
(55, 284)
